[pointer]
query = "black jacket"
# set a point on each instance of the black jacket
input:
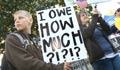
(95, 52)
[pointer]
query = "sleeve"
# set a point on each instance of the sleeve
(88, 31)
(22, 59)
(105, 27)
(113, 29)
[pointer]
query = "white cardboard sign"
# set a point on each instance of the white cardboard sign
(61, 38)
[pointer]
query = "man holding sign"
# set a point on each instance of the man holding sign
(28, 56)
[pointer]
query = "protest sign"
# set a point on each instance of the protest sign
(110, 20)
(81, 3)
(96, 1)
(69, 2)
(60, 36)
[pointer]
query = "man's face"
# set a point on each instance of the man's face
(21, 22)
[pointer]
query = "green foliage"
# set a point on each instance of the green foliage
(8, 7)
(87, 9)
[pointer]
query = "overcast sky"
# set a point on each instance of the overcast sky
(107, 7)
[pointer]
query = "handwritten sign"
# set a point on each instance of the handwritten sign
(61, 38)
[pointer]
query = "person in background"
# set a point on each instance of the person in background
(102, 54)
(29, 58)
(117, 19)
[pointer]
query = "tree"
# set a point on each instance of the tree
(7, 7)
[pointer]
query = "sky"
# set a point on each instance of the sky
(108, 8)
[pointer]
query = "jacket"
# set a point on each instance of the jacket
(94, 50)
(29, 58)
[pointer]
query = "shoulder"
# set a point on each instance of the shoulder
(13, 41)
(12, 36)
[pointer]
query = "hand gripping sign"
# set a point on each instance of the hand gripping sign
(60, 35)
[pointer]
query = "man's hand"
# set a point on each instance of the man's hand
(67, 66)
